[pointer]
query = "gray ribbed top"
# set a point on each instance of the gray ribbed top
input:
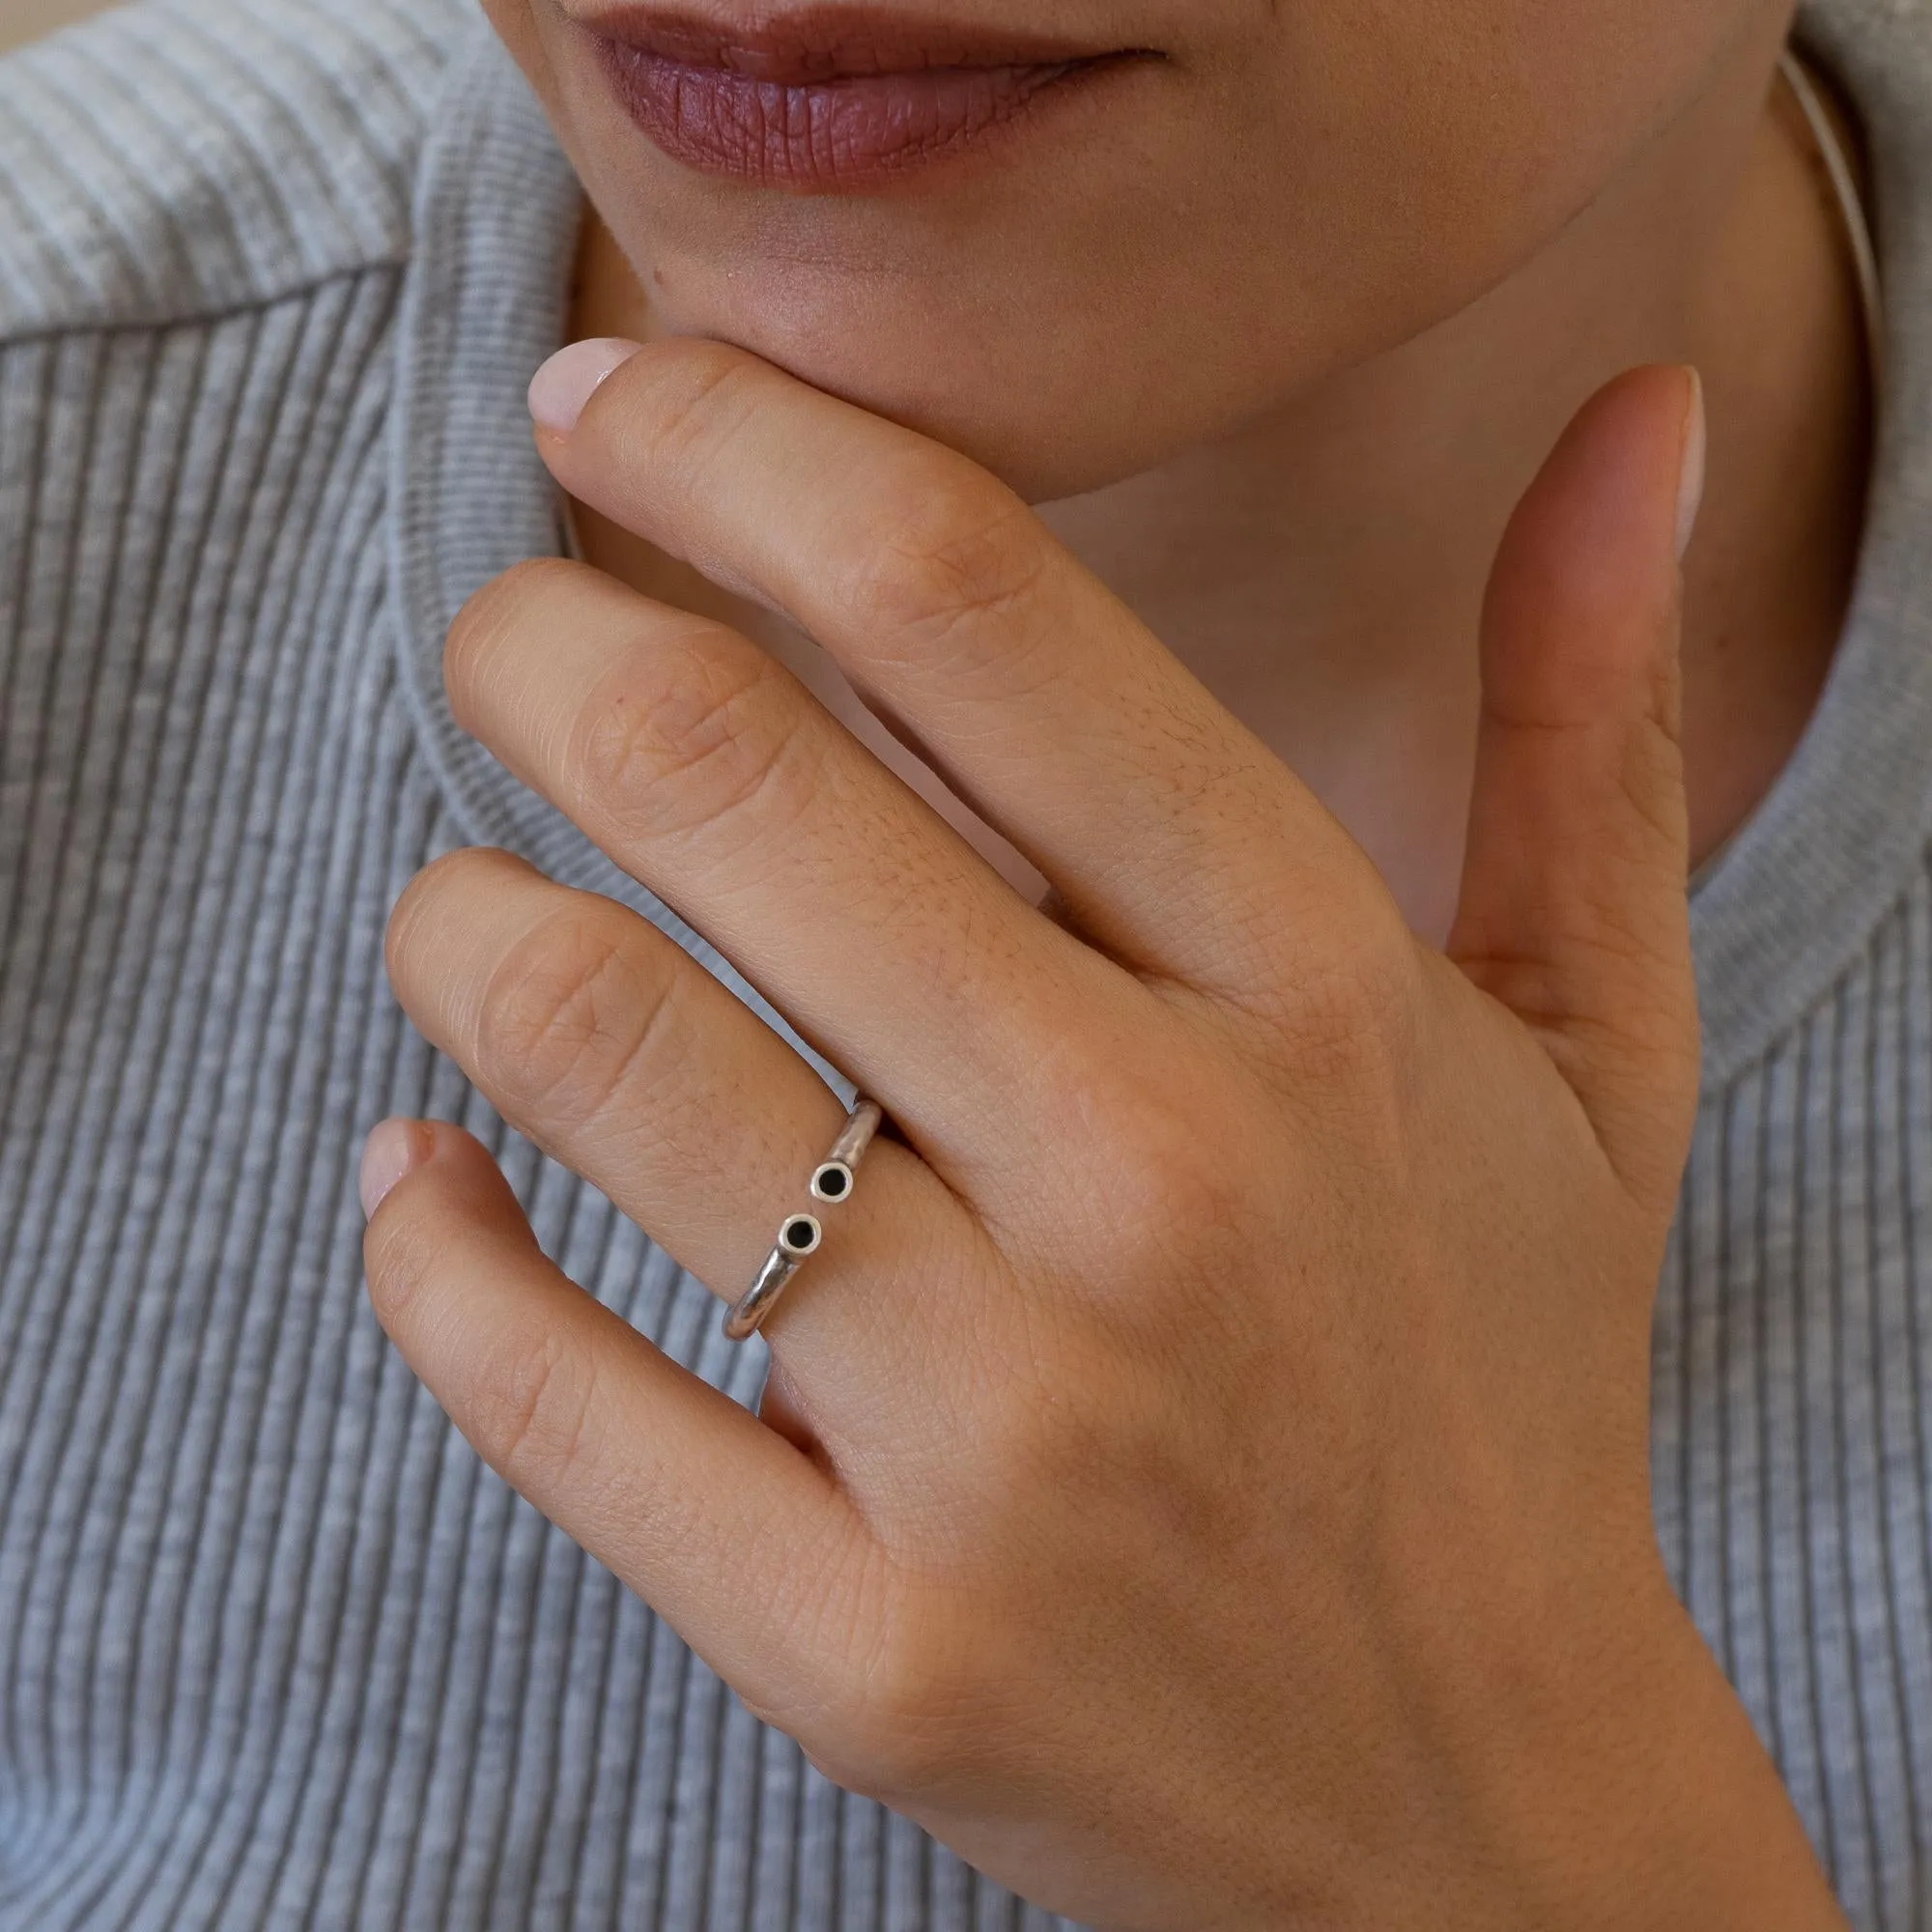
(275, 1650)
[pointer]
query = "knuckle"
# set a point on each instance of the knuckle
(1345, 1061)
(569, 1015)
(530, 1411)
(1173, 1173)
(1333, 1004)
(962, 551)
(1347, 1009)
(686, 752)
(918, 1705)
(1650, 780)
(1075, 1425)
(1170, 1169)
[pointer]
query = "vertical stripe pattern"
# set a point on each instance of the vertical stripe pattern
(1793, 1436)
(274, 1649)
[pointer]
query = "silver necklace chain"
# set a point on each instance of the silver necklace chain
(1851, 210)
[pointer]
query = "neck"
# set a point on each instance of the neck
(1322, 571)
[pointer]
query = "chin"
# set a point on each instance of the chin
(1052, 383)
(1044, 436)
(1204, 209)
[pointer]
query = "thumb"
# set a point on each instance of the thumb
(1574, 906)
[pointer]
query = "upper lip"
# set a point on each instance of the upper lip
(802, 45)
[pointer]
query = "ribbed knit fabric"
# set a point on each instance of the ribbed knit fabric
(274, 1649)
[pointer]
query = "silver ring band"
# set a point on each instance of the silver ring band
(832, 1180)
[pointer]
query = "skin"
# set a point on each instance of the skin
(1332, 603)
(1204, 1479)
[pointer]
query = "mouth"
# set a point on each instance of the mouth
(831, 100)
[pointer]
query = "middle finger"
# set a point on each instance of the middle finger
(595, 1033)
(714, 777)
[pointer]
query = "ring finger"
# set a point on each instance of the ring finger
(598, 1036)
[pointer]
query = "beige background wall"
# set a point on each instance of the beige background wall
(27, 19)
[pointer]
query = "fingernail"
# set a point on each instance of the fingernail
(395, 1148)
(566, 383)
(1697, 451)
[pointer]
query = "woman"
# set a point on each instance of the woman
(1225, 1461)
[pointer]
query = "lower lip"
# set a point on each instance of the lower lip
(824, 137)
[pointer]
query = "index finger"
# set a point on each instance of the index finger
(1040, 698)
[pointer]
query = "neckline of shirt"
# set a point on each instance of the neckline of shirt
(1776, 920)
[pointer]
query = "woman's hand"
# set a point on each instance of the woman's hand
(1204, 1477)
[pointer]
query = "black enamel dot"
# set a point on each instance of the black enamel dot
(832, 1184)
(801, 1235)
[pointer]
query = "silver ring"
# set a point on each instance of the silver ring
(832, 1180)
